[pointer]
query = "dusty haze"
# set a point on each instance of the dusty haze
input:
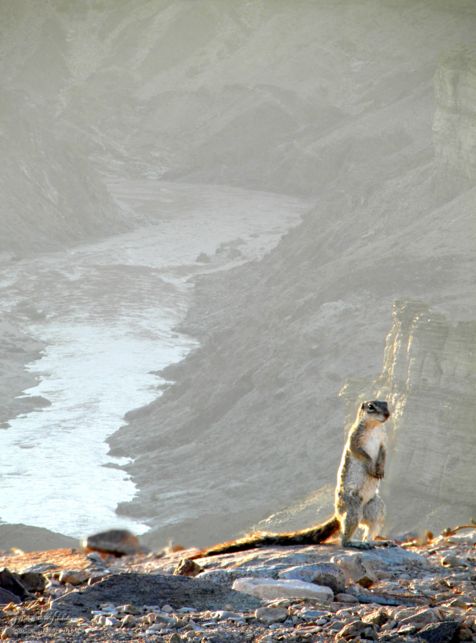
(358, 116)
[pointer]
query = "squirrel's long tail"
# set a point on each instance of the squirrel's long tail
(311, 536)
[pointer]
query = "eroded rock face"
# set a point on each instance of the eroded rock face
(454, 125)
(429, 375)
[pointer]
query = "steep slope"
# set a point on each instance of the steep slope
(254, 423)
(256, 95)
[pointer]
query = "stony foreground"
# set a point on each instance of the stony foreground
(407, 593)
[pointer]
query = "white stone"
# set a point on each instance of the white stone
(269, 589)
(463, 537)
(110, 621)
(325, 574)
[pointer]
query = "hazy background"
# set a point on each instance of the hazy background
(176, 142)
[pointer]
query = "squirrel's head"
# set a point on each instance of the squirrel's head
(375, 411)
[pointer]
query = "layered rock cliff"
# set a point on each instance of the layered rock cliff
(429, 375)
(454, 125)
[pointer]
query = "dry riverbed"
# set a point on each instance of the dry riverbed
(411, 592)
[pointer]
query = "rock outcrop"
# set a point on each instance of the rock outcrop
(454, 125)
(429, 375)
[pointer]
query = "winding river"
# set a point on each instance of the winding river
(106, 313)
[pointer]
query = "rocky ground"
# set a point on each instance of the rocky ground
(412, 592)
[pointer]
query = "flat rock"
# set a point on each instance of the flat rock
(364, 567)
(465, 536)
(218, 576)
(271, 614)
(146, 589)
(343, 597)
(278, 558)
(439, 632)
(392, 557)
(420, 618)
(270, 588)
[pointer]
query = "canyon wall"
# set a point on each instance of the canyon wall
(429, 376)
(367, 109)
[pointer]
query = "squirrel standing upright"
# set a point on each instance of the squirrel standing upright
(357, 501)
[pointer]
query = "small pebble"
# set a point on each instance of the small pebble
(271, 615)
(312, 615)
(110, 621)
(129, 621)
(346, 598)
(98, 619)
(224, 615)
(129, 609)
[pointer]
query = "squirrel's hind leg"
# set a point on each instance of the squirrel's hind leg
(373, 518)
(349, 509)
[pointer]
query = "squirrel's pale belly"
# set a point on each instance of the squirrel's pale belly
(372, 445)
(373, 441)
(369, 489)
(353, 472)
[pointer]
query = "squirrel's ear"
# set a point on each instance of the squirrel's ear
(362, 406)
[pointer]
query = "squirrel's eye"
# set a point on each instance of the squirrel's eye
(371, 407)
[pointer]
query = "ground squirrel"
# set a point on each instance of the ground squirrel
(357, 502)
